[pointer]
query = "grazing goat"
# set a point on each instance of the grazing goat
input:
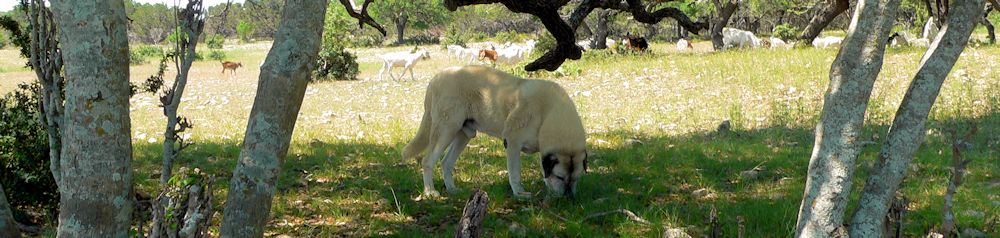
(229, 65)
(732, 37)
(636, 43)
(778, 43)
(826, 42)
(455, 51)
(684, 45)
(406, 60)
(490, 54)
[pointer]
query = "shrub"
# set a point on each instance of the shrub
(508, 36)
(785, 31)
(214, 41)
(217, 55)
(245, 31)
(24, 154)
(336, 63)
(454, 36)
(545, 43)
(148, 51)
(134, 58)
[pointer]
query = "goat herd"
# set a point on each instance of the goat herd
(513, 53)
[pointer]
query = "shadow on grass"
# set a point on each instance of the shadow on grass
(364, 189)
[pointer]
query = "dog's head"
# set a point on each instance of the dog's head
(562, 171)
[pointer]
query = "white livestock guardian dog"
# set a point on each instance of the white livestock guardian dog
(530, 115)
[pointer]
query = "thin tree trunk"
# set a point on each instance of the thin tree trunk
(280, 90)
(8, 227)
(908, 128)
(191, 22)
(819, 22)
(96, 168)
(852, 77)
(725, 12)
(401, 21)
(990, 30)
(46, 60)
(601, 34)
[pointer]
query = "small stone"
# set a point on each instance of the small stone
(724, 127)
(784, 180)
(975, 214)
(934, 235)
(517, 230)
(970, 232)
(702, 193)
(675, 233)
(632, 142)
(748, 175)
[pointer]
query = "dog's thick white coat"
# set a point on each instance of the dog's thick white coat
(529, 115)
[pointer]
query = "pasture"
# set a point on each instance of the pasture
(652, 121)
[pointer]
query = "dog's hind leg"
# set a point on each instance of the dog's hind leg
(448, 166)
(440, 139)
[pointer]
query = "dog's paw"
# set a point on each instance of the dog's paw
(523, 195)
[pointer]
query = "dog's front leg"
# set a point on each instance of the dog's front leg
(514, 169)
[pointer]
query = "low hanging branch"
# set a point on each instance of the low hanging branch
(362, 14)
(564, 30)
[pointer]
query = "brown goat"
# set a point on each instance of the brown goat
(488, 54)
(230, 66)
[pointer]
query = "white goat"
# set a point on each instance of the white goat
(684, 45)
(732, 37)
(406, 60)
(826, 42)
(455, 51)
(778, 43)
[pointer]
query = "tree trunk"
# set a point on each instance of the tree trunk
(8, 227)
(46, 60)
(280, 90)
(852, 77)
(725, 12)
(819, 22)
(908, 130)
(601, 34)
(471, 223)
(400, 21)
(990, 31)
(96, 167)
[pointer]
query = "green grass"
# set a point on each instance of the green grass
(343, 175)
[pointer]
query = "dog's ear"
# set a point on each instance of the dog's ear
(549, 161)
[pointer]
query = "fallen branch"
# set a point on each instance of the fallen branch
(471, 224)
(629, 214)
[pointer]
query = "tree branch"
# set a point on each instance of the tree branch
(363, 17)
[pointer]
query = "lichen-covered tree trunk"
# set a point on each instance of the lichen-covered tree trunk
(280, 90)
(725, 11)
(96, 166)
(46, 60)
(7, 226)
(907, 132)
(401, 19)
(819, 22)
(852, 76)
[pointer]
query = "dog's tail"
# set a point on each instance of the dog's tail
(419, 143)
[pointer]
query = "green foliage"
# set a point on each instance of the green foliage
(785, 31)
(336, 63)
(149, 23)
(138, 55)
(416, 14)
(17, 36)
(217, 55)
(3, 40)
(245, 31)
(454, 36)
(214, 41)
(509, 36)
(134, 58)
(24, 154)
(545, 43)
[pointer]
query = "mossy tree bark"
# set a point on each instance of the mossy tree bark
(96, 165)
(282, 85)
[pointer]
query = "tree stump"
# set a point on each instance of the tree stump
(471, 224)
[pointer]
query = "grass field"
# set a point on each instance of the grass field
(343, 175)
